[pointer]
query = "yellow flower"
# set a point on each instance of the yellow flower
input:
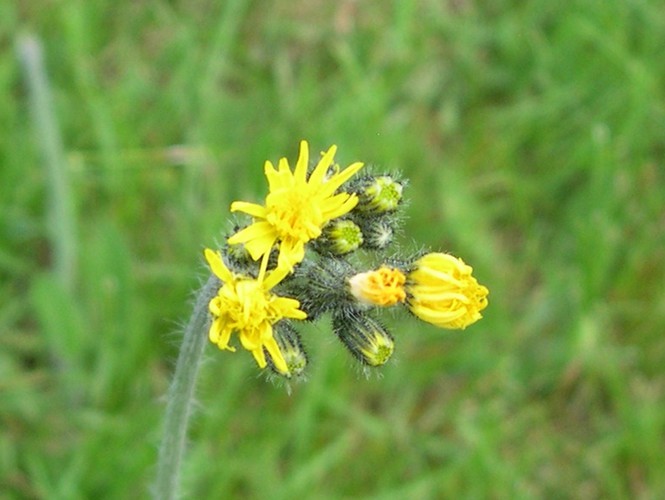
(442, 291)
(296, 208)
(382, 287)
(247, 307)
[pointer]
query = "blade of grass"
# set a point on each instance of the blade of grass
(61, 216)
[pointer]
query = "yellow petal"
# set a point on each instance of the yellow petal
(322, 167)
(217, 265)
(338, 205)
(436, 279)
(269, 168)
(260, 246)
(336, 181)
(438, 297)
(249, 208)
(260, 357)
(255, 230)
(258, 238)
(224, 337)
(443, 319)
(214, 306)
(275, 276)
(288, 308)
(283, 166)
(213, 333)
(276, 355)
(290, 253)
(278, 180)
(301, 166)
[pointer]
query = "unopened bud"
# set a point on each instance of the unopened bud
(290, 346)
(379, 195)
(365, 338)
(381, 287)
(378, 233)
(339, 237)
(441, 290)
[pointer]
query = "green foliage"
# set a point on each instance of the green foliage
(532, 137)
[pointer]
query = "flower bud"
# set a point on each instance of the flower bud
(339, 237)
(378, 232)
(290, 346)
(365, 338)
(381, 287)
(378, 194)
(441, 291)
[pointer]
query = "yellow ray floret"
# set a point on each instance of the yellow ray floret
(296, 208)
(442, 291)
(246, 306)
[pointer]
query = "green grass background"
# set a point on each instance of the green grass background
(533, 136)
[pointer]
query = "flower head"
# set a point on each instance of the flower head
(246, 306)
(382, 287)
(442, 291)
(378, 233)
(296, 208)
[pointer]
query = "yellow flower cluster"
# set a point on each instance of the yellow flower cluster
(296, 209)
(264, 287)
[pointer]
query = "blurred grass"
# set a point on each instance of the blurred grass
(533, 136)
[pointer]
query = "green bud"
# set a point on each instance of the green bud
(379, 195)
(339, 237)
(378, 233)
(290, 346)
(366, 339)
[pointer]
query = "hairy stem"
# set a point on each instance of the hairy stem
(181, 396)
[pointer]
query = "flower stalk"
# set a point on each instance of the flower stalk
(180, 398)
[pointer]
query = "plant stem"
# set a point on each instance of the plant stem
(181, 396)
